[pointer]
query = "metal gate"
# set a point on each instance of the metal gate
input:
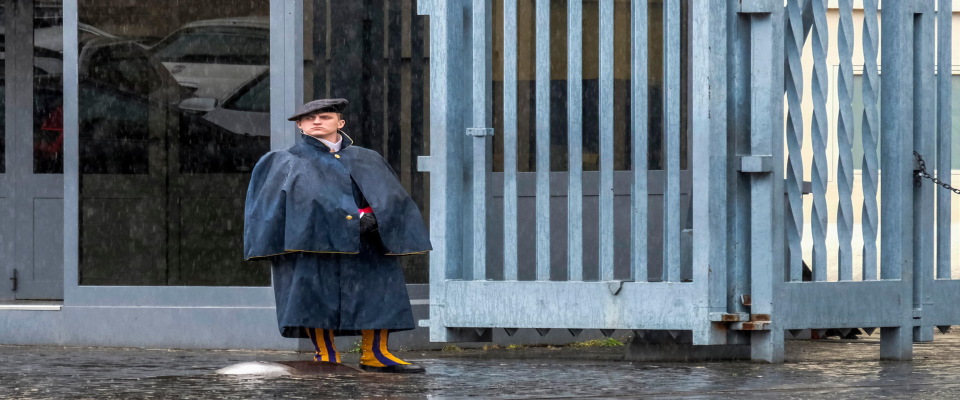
(741, 235)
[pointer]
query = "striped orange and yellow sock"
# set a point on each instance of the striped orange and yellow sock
(374, 347)
(323, 342)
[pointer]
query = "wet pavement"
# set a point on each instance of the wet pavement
(814, 369)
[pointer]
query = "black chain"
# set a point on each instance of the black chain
(922, 173)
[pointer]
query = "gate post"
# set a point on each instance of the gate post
(448, 82)
(896, 189)
(708, 32)
(924, 137)
(764, 164)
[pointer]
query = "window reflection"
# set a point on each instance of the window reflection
(377, 57)
(173, 112)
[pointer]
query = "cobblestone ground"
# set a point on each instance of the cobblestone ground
(821, 369)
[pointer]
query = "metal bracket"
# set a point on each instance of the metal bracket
(615, 287)
(15, 280)
(756, 164)
(759, 6)
(480, 132)
(729, 317)
(424, 164)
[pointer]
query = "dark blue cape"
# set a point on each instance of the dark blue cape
(301, 214)
(300, 198)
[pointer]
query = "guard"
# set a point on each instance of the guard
(333, 220)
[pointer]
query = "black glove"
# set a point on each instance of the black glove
(368, 223)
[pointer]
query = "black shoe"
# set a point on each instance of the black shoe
(396, 369)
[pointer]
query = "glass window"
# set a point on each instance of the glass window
(48, 88)
(377, 58)
(164, 163)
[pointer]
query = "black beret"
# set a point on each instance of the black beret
(321, 105)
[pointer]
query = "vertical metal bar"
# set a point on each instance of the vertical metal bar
(896, 257)
(574, 140)
(845, 141)
(286, 73)
(794, 136)
(766, 190)
(640, 72)
(870, 131)
(543, 139)
(482, 86)
(924, 119)
(944, 130)
(708, 122)
(606, 140)
(510, 140)
(820, 135)
(71, 151)
(671, 151)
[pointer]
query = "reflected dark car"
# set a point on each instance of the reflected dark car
(230, 136)
(124, 93)
(215, 57)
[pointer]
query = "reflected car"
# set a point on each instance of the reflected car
(215, 57)
(229, 136)
(122, 89)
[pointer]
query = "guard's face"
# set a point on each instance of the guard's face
(322, 125)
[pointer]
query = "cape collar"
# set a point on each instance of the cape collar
(345, 141)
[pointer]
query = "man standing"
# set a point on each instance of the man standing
(333, 219)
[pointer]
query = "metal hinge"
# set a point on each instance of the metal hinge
(15, 280)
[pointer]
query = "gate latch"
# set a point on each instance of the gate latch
(762, 164)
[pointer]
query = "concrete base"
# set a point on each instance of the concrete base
(664, 347)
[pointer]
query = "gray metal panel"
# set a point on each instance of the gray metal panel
(174, 327)
(32, 327)
(825, 305)
(171, 296)
(581, 305)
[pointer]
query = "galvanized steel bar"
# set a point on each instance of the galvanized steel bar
(845, 142)
(766, 189)
(640, 91)
(794, 136)
(606, 140)
(510, 140)
(870, 132)
(671, 133)
(574, 140)
(820, 135)
(944, 130)
(709, 163)
(924, 142)
(543, 139)
(482, 86)
(896, 257)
